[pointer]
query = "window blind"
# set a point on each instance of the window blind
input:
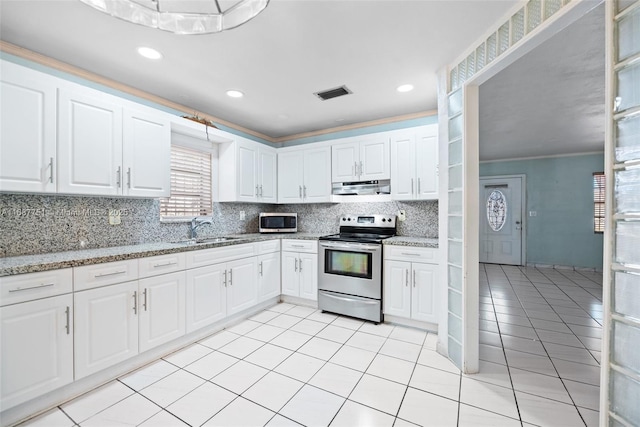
(190, 184)
(598, 202)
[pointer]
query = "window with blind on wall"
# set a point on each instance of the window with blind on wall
(598, 202)
(191, 192)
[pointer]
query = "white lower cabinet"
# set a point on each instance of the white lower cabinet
(106, 327)
(206, 296)
(268, 276)
(300, 269)
(411, 288)
(37, 348)
(242, 285)
(162, 309)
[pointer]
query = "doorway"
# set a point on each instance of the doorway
(501, 222)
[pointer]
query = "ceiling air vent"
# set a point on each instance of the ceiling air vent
(333, 93)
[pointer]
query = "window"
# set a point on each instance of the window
(190, 184)
(598, 202)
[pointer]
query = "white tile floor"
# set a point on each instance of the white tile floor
(291, 365)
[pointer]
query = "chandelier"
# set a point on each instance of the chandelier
(183, 16)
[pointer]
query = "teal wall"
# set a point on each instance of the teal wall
(560, 190)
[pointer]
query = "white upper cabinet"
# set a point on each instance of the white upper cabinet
(304, 176)
(361, 160)
(414, 164)
(27, 130)
(90, 143)
(249, 171)
(146, 154)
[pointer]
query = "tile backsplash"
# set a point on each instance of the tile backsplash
(32, 224)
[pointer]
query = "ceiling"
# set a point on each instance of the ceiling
(551, 101)
(279, 59)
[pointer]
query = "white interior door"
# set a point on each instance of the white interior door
(501, 220)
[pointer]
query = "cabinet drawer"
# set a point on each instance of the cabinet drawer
(411, 253)
(223, 254)
(161, 264)
(31, 286)
(310, 246)
(94, 276)
(268, 247)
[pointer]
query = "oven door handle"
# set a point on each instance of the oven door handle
(352, 247)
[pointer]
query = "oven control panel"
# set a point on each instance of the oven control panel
(383, 221)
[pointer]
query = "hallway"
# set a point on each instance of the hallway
(540, 337)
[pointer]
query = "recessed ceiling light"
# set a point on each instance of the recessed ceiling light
(149, 52)
(235, 94)
(405, 88)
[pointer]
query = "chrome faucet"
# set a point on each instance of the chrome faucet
(195, 225)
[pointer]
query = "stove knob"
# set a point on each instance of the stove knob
(383, 220)
(389, 220)
(344, 219)
(349, 219)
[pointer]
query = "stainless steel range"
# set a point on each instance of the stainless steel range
(350, 266)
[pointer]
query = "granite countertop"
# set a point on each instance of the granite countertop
(423, 242)
(56, 260)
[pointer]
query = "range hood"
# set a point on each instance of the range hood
(360, 188)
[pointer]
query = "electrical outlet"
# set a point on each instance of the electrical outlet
(402, 215)
(533, 213)
(242, 215)
(114, 216)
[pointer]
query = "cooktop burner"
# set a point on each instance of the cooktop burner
(364, 228)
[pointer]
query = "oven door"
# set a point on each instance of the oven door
(350, 268)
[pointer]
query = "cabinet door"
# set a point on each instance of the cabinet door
(162, 309)
(397, 293)
(317, 173)
(403, 167)
(308, 270)
(89, 144)
(268, 276)
(423, 295)
(37, 348)
(290, 277)
(268, 176)
(146, 154)
(374, 159)
(242, 285)
(290, 177)
(27, 130)
(247, 173)
(106, 327)
(344, 162)
(206, 296)
(427, 161)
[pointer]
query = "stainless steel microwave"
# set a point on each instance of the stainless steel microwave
(278, 222)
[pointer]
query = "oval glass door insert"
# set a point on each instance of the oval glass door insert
(496, 210)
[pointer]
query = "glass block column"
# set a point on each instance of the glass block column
(454, 256)
(623, 314)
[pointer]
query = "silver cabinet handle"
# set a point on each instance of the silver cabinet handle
(411, 185)
(297, 246)
(165, 264)
(414, 278)
(128, 177)
(361, 169)
(51, 170)
(144, 304)
(119, 177)
(260, 268)
(300, 190)
(296, 267)
(355, 168)
(44, 285)
(261, 194)
(257, 192)
(67, 312)
(406, 278)
(300, 268)
(304, 191)
(410, 254)
(96, 276)
(225, 278)
(231, 277)
(418, 185)
(135, 302)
